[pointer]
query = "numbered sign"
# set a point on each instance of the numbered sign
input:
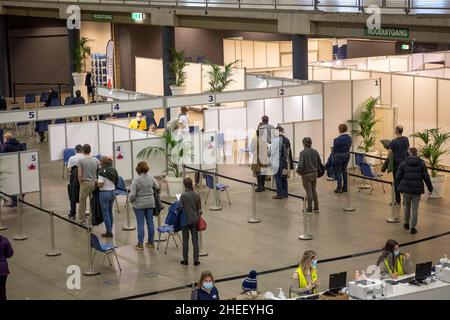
(32, 115)
(281, 92)
(116, 107)
(211, 98)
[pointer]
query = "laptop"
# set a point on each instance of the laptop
(423, 272)
(338, 281)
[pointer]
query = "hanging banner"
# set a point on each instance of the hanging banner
(110, 64)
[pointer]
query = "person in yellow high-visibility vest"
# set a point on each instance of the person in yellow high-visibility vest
(304, 281)
(392, 262)
(139, 123)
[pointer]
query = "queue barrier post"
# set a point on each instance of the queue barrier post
(2, 226)
(253, 218)
(393, 216)
(202, 252)
(20, 236)
(305, 235)
(128, 226)
(91, 271)
(216, 206)
(53, 252)
(349, 207)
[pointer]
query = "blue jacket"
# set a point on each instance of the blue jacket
(342, 144)
(175, 217)
(12, 145)
(200, 294)
(411, 175)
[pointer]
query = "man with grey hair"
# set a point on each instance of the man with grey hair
(309, 163)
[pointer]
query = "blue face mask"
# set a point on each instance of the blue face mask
(396, 253)
(207, 285)
(314, 263)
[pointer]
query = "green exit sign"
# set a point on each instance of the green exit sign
(387, 33)
(102, 16)
(138, 16)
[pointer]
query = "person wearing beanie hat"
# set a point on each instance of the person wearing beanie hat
(249, 288)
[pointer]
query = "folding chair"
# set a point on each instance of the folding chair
(368, 171)
(121, 191)
(219, 187)
(171, 234)
(106, 248)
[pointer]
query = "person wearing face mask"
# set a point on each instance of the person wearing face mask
(305, 281)
(138, 123)
(392, 262)
(205, 289)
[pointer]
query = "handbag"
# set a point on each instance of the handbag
(321, 170)
(201, 225)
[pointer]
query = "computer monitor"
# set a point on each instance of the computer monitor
(423, 271)
(338, 281)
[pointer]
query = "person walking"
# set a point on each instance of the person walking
(87, 174)
(108, 179)
(411, 174)
(191, 203)
(142, 197)
(308, 166)
(279, 164)
(73, 186)
(205, 289)
(341, 157)
(260, 159)
(6, 252)
(398, 149)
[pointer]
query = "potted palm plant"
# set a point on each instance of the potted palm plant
(364, 126)
(220, 77)
(178, 150)
(178, 75)
(431, 149)
(80, 51)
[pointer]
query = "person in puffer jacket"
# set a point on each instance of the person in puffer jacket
(411, 174)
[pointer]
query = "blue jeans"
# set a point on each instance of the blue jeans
(106, 203)
(143, 215)
(282, 184)
(340, 163)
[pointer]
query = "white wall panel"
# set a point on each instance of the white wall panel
(144, 82)
(211, 117)
(273, 54)
(157, 162)
(260, 54)
(402, 96)
(247, 54)
(123, 159)
(312, 129)
(106, 139)
(444, 111)
(121, 134)
(274, 110)
(425, 103)
(340, 74)
(82, 133)
(10, 183)
(255, 110)
(312, 107)
(385, 86)
(57, 141)
(293, 109)
(29, 171)
(321, 73)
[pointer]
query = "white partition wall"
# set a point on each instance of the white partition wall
(340, 74)
(10, 183)
(312, 107)
(337, 109)
(359, 74)
(255, 110)
(149, 76)
(403, 98)
(321, 73)
(398, 63)
(123, 159)
(157, 162)
(312, 129)
(443, 115)
(82, 133)
(425, 103)
(273, 108)
(106, 134)
(57, 141)
(385, 86)
(293, 109)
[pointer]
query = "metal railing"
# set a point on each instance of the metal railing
(391, 6)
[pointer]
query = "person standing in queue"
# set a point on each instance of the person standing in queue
(305, 280)
(205, 290)
(398, 149)
(191, 203)
(73, 186)
(392, 262)
(87, 174)
(108, 179)
(6, 252)
(279, 164)
(142, 197)
(341, 157)
(260, 161)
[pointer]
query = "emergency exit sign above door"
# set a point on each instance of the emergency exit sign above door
(387, 33)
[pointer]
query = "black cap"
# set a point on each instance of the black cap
(79, 148)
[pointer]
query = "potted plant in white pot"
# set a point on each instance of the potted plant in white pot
(364, 126)
(220, 77)
(178, 150)
(431, 150)
(80, 51)
(178, 75)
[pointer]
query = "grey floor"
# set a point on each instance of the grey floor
(233, 245)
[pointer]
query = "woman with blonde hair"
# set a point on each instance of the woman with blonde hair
(305, 281)
(205, 289)
(183, 120)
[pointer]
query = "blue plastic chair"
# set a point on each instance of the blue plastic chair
(193, 129)
(43, 97)
(167, 228)
(369, 172)
(359, 157)
(60, 121)
(121, 115)
(121, 190)
(161, 123)
(106, 248)
(219, 187)
(68, 101)
(30, 98)
(54, 102)
(67, 153)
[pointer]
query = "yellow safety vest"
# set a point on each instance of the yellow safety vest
(399, 267)
(302, 279)
(134, 124)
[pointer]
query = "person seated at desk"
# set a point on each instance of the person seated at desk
(304, 281)
(138, 123)
(153, 129)
(392, 262)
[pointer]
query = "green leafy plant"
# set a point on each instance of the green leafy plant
(432, 147)
(220, 78)
(178, 76)
(80, 51)
(364, 125)
(177, 149)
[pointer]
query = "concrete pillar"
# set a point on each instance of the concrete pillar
(4, 61)
(168, 42)
(300, 57)
(73, 35)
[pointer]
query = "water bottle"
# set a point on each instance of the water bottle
(357, 275)
(281, 293)
(363, 276)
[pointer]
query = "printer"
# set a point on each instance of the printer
(442, 271)
(369, 289)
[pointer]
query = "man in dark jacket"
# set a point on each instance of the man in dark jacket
(11, 144)
(398, 149)
(411, 175)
